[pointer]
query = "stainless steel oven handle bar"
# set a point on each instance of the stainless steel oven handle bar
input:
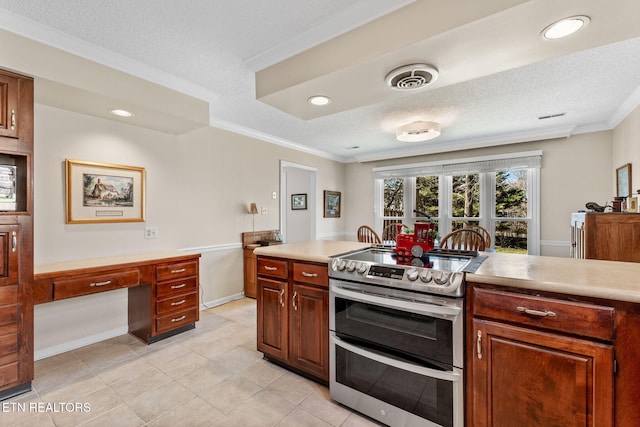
(416, 369)
(403, 305)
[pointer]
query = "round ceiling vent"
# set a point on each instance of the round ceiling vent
(411, 77)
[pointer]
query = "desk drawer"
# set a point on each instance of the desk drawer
(8, 344)
(85, 285)
(177, 287)
(272, 268)
(8, 314)
(570, 317)
(8, 374)
(177, 320)
(8, 294)
(311, 273)
(175, 271)
(182, 302)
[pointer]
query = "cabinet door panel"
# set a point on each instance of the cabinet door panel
(526, 377)
(8, 254)
(310, 330)
(8, 106)
(272, 318)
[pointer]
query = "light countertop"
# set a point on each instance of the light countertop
(314, 251)
(594, 278)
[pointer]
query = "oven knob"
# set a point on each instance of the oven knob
(441, 277)
(426, 276)
(351, 266)
(362, 268)
(412, 274)
(338, 264)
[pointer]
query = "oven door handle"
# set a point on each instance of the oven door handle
(404, 305)
(405, 366)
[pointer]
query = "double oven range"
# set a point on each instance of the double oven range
(397, 336)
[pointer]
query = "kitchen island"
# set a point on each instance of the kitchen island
(555, 334)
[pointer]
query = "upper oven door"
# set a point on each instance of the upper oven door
(413, 326)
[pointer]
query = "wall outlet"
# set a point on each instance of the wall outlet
(274, 195)
(151, 232)
(264, 210)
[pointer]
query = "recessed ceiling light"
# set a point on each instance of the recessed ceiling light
(418, 131)
(319, 100)
(565, 27)
(121, 113)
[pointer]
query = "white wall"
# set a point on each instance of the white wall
(199, 186)
(626, 148)
(574, 171)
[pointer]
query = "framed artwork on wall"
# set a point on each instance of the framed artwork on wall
(299, 202)
(623, 181)
(332, 201)
(99, 192)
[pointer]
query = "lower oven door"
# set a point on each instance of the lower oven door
(395, 392)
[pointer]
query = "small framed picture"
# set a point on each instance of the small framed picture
(299, 202)
(623, 180)
(332, 204)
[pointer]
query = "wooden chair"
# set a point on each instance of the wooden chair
(464, 239)
(368, 235)
(484, 232)
(391, 231)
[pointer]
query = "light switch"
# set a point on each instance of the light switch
(264, 210)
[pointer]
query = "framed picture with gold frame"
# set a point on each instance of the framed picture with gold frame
(332, 200)
(623, 180)
(99, 192)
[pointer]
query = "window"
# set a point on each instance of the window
(500, 194)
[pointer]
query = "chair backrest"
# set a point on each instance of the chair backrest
(465, 239)
(484, 232)
(391, 231)
(368, 235)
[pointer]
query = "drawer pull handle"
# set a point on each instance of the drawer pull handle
(293, 300)
(281, 294)
(14, 241)
(266, 267)
(177, 319)
(13, 119)
(182, 270)
(536, 312)
(479, 345)
(179, 302)
(105, 283)
(178, 286)
(305, 274)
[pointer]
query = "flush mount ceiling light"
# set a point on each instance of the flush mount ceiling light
(411, 77)
(121, 113)
(565, 27)
(418, 131)
(319, 100)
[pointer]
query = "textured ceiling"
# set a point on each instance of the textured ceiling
(212, 49)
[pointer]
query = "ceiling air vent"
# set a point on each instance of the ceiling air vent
(411, 77)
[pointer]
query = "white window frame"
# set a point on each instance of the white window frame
(445, 170)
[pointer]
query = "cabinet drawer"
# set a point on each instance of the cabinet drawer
(174, 321)
(8, 374)
(86, 285)
(8, 344)
(311, 273)
(177, 287)
(8, 314)
(176, 271)
(272, 267)
(178, 303)
(8, 294)
(570, 317)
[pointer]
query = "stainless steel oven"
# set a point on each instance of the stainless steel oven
(396, 351)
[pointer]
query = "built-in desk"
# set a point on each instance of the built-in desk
(163, 288)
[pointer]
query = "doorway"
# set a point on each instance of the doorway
(299, 224)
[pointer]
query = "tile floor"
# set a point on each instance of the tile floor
(210, 376)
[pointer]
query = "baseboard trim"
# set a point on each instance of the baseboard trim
(82, 342)
(220, 301)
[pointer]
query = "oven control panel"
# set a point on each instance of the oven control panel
(423, 279)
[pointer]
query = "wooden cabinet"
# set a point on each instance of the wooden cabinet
(612, 236)
(538, 361)
(163, 290)
(250, 272)
(293, 315)
(16, 234)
